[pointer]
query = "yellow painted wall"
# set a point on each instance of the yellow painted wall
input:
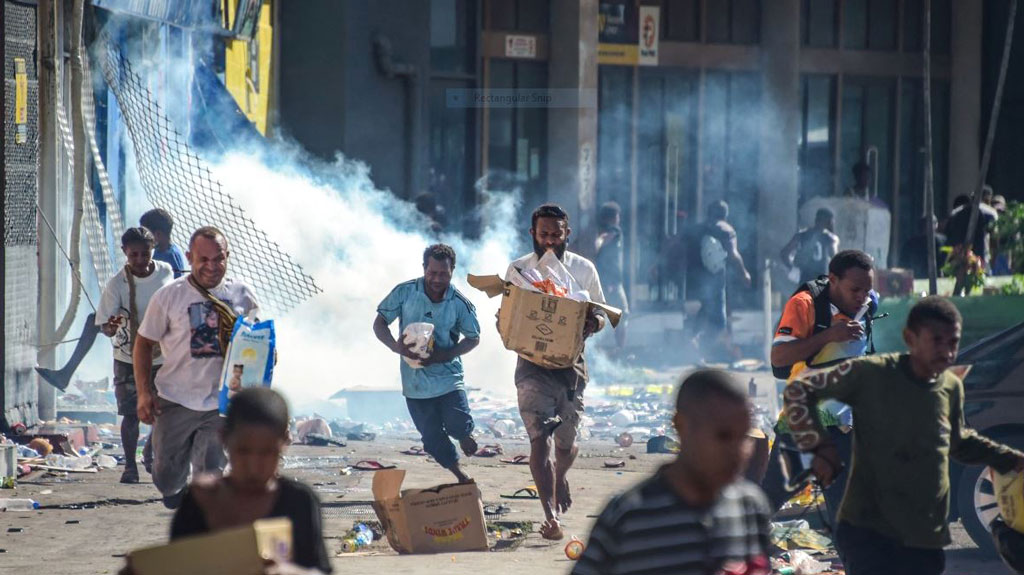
(247, 69)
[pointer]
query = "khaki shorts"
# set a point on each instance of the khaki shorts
(541, 399)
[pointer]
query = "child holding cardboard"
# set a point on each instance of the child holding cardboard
(255, 434)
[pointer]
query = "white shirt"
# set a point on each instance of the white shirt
(116, 302)
(582, 270)
(179, 319)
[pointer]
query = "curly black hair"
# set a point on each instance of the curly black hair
(933, 309)
(849, 259)
(439, 252)
(549, 211)
(138, 235)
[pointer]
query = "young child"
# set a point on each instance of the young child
(696, 515)
(908, 420)
(255, 434)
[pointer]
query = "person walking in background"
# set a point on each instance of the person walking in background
(718, 250)
(161, 224)
(121, 311)
(811, 249)
(609, 262)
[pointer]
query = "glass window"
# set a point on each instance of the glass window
(913, 23)
(450, 36)
(517, 137)
(855, 24)
(519, 15)
(746, 21)
(867, 126)
(912, 153)
(451, 156)
(502, 14)
(681, 20)
(819, 23)
(816, 137)
(717, 21)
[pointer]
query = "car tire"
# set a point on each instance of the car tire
(976, 500)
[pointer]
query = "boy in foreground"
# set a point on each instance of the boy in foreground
(909, 420)
(696, 515)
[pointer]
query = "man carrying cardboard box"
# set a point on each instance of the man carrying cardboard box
(551, 400)
(434, 391)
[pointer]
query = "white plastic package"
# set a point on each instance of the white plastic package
(249, 361)
(422, 334)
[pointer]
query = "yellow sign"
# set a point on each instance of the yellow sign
(20, 101)
(247, 69)
(618, 54)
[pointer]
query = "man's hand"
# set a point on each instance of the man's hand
(408, 351)
(593, 324)
(110, 328)
(147, 408)
(826, 464)
(437, 356)
(845, 331)
(746, 278)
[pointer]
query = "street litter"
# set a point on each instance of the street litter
(798, 535)
(439, 519)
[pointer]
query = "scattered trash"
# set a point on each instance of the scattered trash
(524, 493)
(318, 440)
(623, 418)
(806, 564)
(489, 451)
(371, 465)
(316, 425)
(662, 444)
(574, 548)
(40, 446)
(624, 439)
(798, 535)
(614, 464)
(358, 537)
(504, 427)
(497, 510)
(18, 505)
(106, 462)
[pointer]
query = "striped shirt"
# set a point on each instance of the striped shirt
(650, 529)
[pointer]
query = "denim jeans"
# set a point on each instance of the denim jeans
(439, 418)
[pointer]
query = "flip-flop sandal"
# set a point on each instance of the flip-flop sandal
(489, 451)
(524, 493)
(517, 460)
(418, 451)
(610, 464)
(371, 465)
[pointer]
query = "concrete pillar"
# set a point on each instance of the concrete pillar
(50, 53)
(778, 190)
(572, 132)
(965, 129)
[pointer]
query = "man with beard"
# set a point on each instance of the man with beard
(121, 310)
(435, 392)
(551, 400)
(184, 411)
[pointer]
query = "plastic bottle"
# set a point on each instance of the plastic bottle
(364, 536)
(18, 505)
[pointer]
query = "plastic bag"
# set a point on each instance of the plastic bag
(422, 334)
(1009, 488)
(249, 361)
(550, 276)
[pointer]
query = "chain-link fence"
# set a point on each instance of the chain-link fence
(176, 179)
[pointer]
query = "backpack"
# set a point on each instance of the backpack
(818, 289)
(712, 254)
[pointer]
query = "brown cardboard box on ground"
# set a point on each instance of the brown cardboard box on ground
(543, 329)
(441, 519)
(239, 551)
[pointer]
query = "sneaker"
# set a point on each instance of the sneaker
(173, 501)
(130, 475)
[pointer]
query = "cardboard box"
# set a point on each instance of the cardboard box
(441, 519)
(239, 551)
(543, 329)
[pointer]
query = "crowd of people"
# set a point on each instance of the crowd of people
(169, 315)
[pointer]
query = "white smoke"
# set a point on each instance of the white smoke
(358, 242)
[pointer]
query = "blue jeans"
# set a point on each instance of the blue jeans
(439, 418)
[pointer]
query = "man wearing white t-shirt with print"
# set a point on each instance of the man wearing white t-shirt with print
(191, 320)
(121, 310)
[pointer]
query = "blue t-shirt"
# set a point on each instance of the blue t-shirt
(452, 317)
(173, 257)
